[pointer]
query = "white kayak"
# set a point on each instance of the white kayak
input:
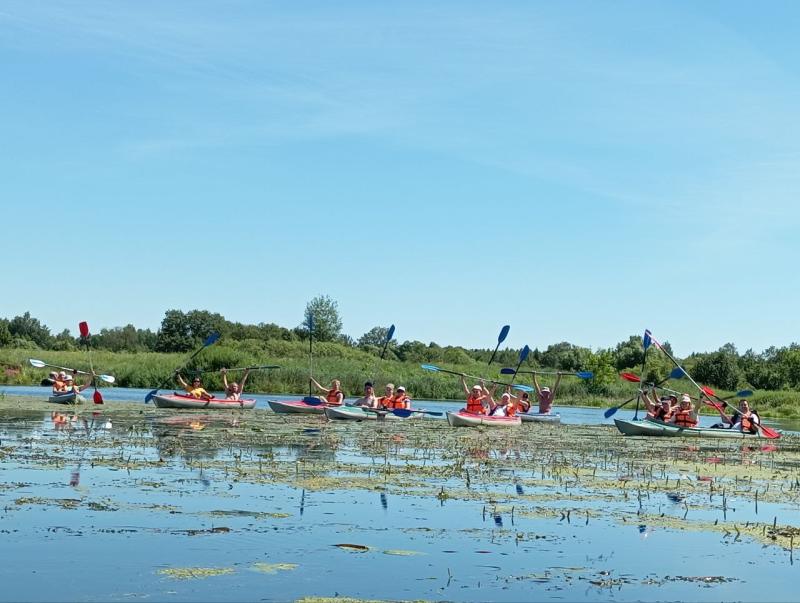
(359, 413)
(463, 418)
(67, 398)
(182, 401)
(535, 417)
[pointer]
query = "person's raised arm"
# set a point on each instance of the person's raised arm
(536, 384)
(224, 372)
(244, 380)
(464, 385)
(181, 380)
(314, 381)
(555, 386)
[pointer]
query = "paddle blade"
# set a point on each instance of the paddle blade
(524, 354)
(83, 327)
(610, 412)
(584, 374)
(108, 378)
(390, 334)
(211, 339)
(677, 373)
(630, 377)
(430, 367)
(646, 340)
(508, 371)
(313, 401)
(524, 388)
(149, 397)
(503, 334)
(745, 393)
(36, 363)
(98, 397)
(768, 432)
(707, 390)
(401, 412)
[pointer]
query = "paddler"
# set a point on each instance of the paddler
(545, 395)
(195, 388)
(399, 400)
(385, 399)
(658, 409)
(505, 408)
(369, 399)
(234, 390)
(478, 398)
(333, 396)
(686, 414)
(71, 386)
(60, 383)
(745, 419)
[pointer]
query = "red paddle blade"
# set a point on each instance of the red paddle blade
(707, 390)
(630, 377)
(83, 327)
(98, 397)
(768, 432)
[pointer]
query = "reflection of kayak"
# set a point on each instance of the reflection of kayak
(297, 407)
(67, 398)
(469, 419)
(181, 401)
(653, 428)
(357, 413)
(535, 417)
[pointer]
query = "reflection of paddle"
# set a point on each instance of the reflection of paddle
(767, 432)
(500, 339)
(676, 373)
(40, 364)
(436, 369)
(579, 374)
(209, 341)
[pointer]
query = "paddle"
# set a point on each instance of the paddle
(313, 401)
(242, 368)
(83, 327)
(579, 374)
(646, 341)
(210, 340)
(403, 412)
(40, 364)
(436, 369)
(310, 354)
(500, 339)
(676, 373)
(766, 431)
(389, 335)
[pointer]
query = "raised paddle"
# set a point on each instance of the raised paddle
(40, 364)
(242, 368)
(310, 354)
(676, 373)
(389, 335)
(436, 369)
(500, 339)
(579, 374)
(83, 328)
(210, 340)
(766, 431)
(646, 341)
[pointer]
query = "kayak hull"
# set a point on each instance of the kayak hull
(179, 401)
(357, 413)
(654, 428)
(296, 407)
(67, 398)
(468, 419)
(535, 417)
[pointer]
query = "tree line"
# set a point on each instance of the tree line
(773, 369)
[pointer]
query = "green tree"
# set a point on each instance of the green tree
(376, 336)
(27, 327)
(5, 335)
(326, 320)
(719, 369)
(174, 334)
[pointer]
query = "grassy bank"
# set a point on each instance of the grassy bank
(351, 366)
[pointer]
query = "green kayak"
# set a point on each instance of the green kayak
(653, 428)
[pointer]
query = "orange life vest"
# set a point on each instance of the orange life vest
(748, 424)
(683, 418)
(511, 409)
(398, 401)
(475, 405)
(333, 397)
(659, 414)
(384, 401)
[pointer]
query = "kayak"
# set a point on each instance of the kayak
(67, 398)
(358, 413)
(180, 401)
(655, 428)
(297, 407)
(535, 417)
(463, 418)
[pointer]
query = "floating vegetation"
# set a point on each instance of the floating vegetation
(273, 568)
(402, 553)
(194, 573)
(359, 548)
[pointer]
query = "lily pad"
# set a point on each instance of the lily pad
(191, 573)
(274, 568)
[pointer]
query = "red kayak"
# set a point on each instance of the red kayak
(298, 407)
(182, 401)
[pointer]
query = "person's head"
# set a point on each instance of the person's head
(68, 378)
(401, 390)
(389, 389)
(524, 396)
(477, 390)
(505, 398)
(233, 387)
(546, 392)
(53, 374)
(337, 385)
(368, 389)
(744, 406)
(61, 375)
(665, 403)
(196, 381)
(686, 402)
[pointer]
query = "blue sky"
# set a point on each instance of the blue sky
(579, 170)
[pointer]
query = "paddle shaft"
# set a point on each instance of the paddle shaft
(639, 395)
(244, 368)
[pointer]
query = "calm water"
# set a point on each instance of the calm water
(77, 526)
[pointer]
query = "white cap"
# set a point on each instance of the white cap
(478, 387)
(68, 377)
(506, 395)
(401, 389)
(685, 398)
(545, 389)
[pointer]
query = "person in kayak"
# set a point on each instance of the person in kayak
(522, 403)
(234, 390)
(505, 408)
(686, 414)
(545, 395)
(658, 409)
(383, 401)
(479, 399)
(333, 396)
(195, 388)
(399, 400)
(60, 383)
(369, 399)
(745, 419)
(71, 386)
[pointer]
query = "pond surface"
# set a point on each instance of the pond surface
(125, 502)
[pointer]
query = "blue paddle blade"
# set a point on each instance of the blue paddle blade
(609, 412)
(429, 367)
(211, 339)
(585, 374)
(313, 401)
(508, 371)
(745, 393)
(524, 388)
(149, 396)
(401, 412)
(677, 373)
(390, 333)
(524, 354)
(503, 334)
